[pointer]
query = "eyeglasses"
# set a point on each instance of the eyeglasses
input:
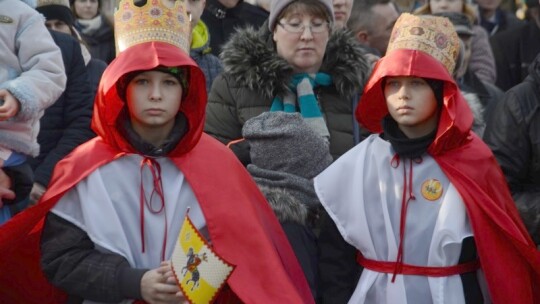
(297, 28)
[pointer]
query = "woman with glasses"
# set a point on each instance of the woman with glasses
(95, 28)
(296, 63)
(265, 70)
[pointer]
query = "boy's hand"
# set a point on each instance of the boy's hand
(9, 105)
(5, 185)
(158, 286)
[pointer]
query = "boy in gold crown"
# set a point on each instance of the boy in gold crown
(424, 203)
(110, 219)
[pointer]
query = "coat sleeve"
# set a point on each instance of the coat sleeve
(507, 134)
(76, 113)
(482, 60)
(222, 120)
(338, 270)
(71, 263)
(43, 78)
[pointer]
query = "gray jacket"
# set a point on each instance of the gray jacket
(31, 69)
(254, 74)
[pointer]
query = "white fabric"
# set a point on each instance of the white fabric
(362, 193)
(106, 206)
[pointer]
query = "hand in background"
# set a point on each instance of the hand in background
(10, 105)
(5, 185)
(36, 193)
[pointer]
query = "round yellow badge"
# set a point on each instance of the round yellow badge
(432, 189)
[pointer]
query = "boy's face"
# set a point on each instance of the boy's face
(412, 104)
(153, 99)
(58, 25)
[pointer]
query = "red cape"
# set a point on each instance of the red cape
(243, 228)
(508, 256)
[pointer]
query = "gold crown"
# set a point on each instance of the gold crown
(41, 3)
(435, 36)
(157, 20)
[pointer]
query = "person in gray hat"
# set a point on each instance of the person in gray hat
(286, 155)
(297, 63)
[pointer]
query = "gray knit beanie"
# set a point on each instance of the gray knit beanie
(286, 154)
(277, 6)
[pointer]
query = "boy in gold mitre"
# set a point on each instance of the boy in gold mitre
(109, 222)
(423, 201)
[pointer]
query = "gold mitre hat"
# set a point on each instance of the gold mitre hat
(156, 20)
(435, 36)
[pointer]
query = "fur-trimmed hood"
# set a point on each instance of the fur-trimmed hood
(251, 60)
(477, 109)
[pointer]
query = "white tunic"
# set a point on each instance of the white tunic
(363, 193)
(106, 205)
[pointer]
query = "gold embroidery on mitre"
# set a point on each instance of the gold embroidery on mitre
(435, 36)
(432, 189)
(154, 21)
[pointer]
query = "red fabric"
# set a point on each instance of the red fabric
(508, 256)
(243, 228)
(408, 269)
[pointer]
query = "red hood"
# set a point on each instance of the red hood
(471, 167)
(456, 117)
(108, 105)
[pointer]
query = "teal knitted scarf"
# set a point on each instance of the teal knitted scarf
(305, 100)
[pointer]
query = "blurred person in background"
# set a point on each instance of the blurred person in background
(223, 17)
(95, 28)
(512, 134)
(32, 76)
(342, 12)
(296, 56)
(482, 61)
(494, 19)
(66, 124)
(516, 49)
(371, 22)
(200, 43)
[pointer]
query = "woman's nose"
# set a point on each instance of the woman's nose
(307, 34)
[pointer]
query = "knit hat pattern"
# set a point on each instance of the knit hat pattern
(56, 9)
(286, 153)
(432, 35)
(277, 6)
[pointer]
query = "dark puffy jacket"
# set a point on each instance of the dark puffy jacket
(514, 51)
(223, 22)
(254, 74)
(513, 135)
(95, 69)
(65, 124)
